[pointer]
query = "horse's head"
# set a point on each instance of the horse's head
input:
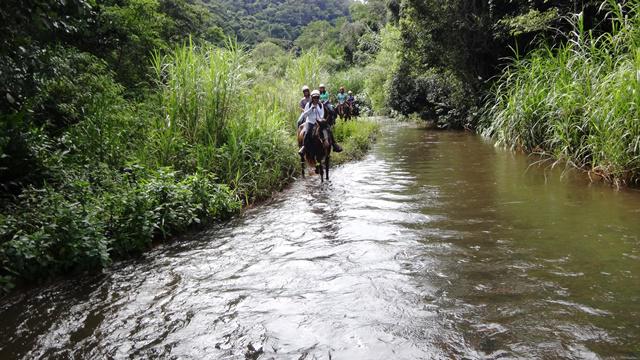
(329, 114)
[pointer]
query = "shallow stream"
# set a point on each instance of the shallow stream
(436, 245)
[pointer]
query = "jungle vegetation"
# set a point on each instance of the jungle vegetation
(124, 122)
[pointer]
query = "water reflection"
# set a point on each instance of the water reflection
(437, 245)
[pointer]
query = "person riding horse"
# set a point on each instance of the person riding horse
(306, 98)
(342, 99)
(313, 114)
(351, 100)
(324, 94)
(324, 98)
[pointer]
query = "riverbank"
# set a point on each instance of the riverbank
(107, 215)
(578, 103)
(213, 134)
(355, 137)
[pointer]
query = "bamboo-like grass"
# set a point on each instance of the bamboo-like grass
(215, 117)
(578, 102)
(219, 113)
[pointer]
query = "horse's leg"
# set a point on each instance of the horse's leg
(326, 165)
(320, 166)
(302, 164)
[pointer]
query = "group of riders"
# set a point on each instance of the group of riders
(315, 107)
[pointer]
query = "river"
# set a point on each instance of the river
(437, 245)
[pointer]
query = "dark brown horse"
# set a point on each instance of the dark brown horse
(318, 151)
(344, 111)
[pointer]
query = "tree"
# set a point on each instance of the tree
(322, 36)
(127, 32)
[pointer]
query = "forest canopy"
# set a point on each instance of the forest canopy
(256, 21)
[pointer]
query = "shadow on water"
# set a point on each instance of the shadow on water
(437, 245)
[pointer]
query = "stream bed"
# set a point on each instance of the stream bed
(437, 245)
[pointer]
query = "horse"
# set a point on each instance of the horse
(318, 151)
(344, 111)
(330, 114)
(356, 110)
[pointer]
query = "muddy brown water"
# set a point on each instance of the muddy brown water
(436, 245)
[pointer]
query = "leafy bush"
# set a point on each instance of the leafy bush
(51, 233)
(79, 115)
(85, 224)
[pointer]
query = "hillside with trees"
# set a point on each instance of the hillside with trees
(280, 21)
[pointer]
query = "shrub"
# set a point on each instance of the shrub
(84, 224)
(356, 137)
(50, 233)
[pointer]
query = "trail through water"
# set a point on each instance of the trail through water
(437, 245)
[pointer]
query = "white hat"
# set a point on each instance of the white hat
(315, 93)
(321, 85)
(305, 88)
(350, 92)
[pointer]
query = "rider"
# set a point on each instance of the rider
(306, 98)
(324, 97)
(351, 100)
(314, 112)
(324, 94)
(342, 97)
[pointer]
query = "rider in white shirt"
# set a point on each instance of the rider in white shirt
(312, 114)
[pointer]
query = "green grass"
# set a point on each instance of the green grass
(578, 102)
(355, 137)
(216, 133)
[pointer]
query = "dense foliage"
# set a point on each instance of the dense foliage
(579, 101)
(281, 21)
(452, 50)
(129, 121)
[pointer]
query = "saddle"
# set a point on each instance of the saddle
(318, 131)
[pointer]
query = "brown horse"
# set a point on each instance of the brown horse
(344, 111)
(319, 150)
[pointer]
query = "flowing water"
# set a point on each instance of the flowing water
(437, 245)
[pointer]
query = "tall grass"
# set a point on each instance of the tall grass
(352, 79)
(308, 69)
(578, 102)
(220, 116)
(217, 130)
(356, 136)
(197, 89)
